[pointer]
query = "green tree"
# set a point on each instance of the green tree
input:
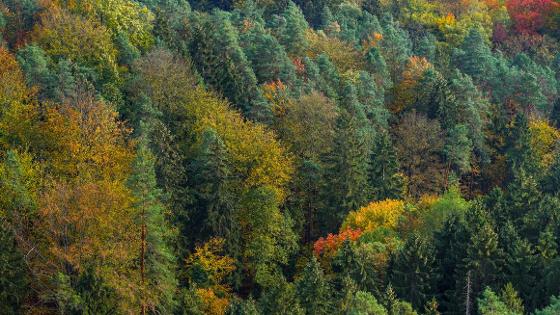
(313, 290)
(474, 56)
(413, 271)
(384, 177)
(491, 304)
(222, 63)
(156, 259)
(292, 30)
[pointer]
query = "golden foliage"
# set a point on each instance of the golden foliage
(63, 34)
(255, 151)
(342, 55)
(209, 257)
(377, 214)
(544, 140)
(405, 90)
(12, 83)
(86, 141)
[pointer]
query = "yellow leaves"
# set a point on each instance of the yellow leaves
(405, 90)
(254, 150)
(77, 38)
(544, 139)
(209, 258)
(12, 83)
(87, 142)
(122, 16)
(213, 305)
(342, 55)
(377, 214)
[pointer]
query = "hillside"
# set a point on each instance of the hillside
(308, 157)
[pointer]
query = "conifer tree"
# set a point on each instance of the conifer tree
(292, 31)
(222, 63)
(412, 271)
(384, 178)
(348, 160)
(313, 290)
(214, 197)
(156, 259)
(474, 57)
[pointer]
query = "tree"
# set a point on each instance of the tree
(214, 203)
(268, 58)
(13, 276)
(385, 179)
(490, 304)
(364, 303)
(474, 57)
(412, 271)
(222, 63)
(529, 16)
(313, 290)
(292, 30)
(348, 160)
(419, 153)
(157, 268)
(86, 41)
(511, 299)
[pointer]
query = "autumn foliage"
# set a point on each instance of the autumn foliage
(327, 246)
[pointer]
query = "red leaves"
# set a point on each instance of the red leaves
(330, 244)
(529, 16)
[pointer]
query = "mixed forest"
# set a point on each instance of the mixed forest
(307, 157)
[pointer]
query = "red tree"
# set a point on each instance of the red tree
(529, 16)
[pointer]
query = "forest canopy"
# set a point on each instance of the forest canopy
(243, 157)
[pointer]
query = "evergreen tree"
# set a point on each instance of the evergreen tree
(413, 271)
(268, 58)
(450, 243)
(156, 260)
(384, 178)
(214, 198)
(293, 29)
(313, 289)
(13, 276)
(474, 57)
(222, 63)
(348, 160)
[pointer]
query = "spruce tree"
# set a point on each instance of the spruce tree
(223, 65)
(156, 259)
(292, 32)
(348, 160)
(413, 271)
(384, 178)
(313, 290)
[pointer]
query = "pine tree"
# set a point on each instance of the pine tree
(13, 276)
(384, 178)
(313, 290)
(511, 299)
(268, 58)
(450, 243)
(520, 155)
(156, 260)
(292, 32)
(474, 57)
